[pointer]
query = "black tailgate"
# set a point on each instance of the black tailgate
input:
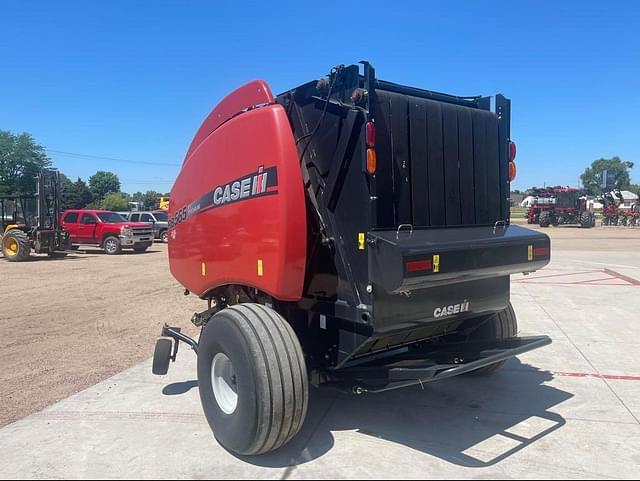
(404, 260)
(439, 164)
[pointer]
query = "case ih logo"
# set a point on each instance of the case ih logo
(258, 184)
(451, 310)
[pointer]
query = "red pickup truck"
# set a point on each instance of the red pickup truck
(106, 229)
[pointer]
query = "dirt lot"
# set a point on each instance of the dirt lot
(68, 324)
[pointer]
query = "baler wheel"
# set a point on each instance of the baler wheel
(502, 325)
(162, 356)
(252, 379)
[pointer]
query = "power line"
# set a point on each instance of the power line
(75, 155)
(132, 181)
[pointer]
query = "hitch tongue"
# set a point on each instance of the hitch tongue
(176, 334)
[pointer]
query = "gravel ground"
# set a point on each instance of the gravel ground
(70, 323)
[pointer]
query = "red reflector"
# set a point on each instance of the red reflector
(541, 251)
(512, 151)
(371, 134)
(415, 266)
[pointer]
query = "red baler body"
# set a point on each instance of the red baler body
(237, 213)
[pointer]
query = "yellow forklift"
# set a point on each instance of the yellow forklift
(33, 222)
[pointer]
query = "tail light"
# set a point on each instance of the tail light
(372, 161)
(371, 134)
(513, 169)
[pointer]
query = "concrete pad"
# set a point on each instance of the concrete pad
(551, 413)
(629, 393)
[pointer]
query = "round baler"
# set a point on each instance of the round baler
(333, 249)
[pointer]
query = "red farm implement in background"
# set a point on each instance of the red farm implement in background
(543, 199)
(618, 210)
(561, 206)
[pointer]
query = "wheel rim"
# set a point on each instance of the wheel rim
(110, 246)
(12, 247)
(223, 381)
(165, 237)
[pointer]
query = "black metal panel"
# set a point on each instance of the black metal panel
(401, 161)
(439, 164)
(437, 204)
(480, 162)
(384, 174)
(419, 164)
(451, 164)
(494, 188)
(465, 155)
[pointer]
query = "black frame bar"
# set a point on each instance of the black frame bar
(434, 363)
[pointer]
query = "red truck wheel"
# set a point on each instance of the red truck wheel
(252, 379)
(111, 245)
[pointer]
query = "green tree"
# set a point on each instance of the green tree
(115, 201)
(102, 183)
(65, 190)
(150, 199)
(75, 195)
(592, 176)
(21, 158)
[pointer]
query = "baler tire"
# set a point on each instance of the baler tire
(110, 251)
(20, 241)
(162, 356)
(545, 219)
(502, 325)
(263, 364)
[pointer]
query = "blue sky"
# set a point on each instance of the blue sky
(133, 80)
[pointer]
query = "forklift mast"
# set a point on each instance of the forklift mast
(48, 200)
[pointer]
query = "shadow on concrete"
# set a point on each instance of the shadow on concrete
(178, 388)
(467, 421)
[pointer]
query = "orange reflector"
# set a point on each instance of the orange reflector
(372, 161)
(513, 171)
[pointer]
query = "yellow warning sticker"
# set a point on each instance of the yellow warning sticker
(260, 269)
(361, 241)
(530, 253)
(436, 263)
